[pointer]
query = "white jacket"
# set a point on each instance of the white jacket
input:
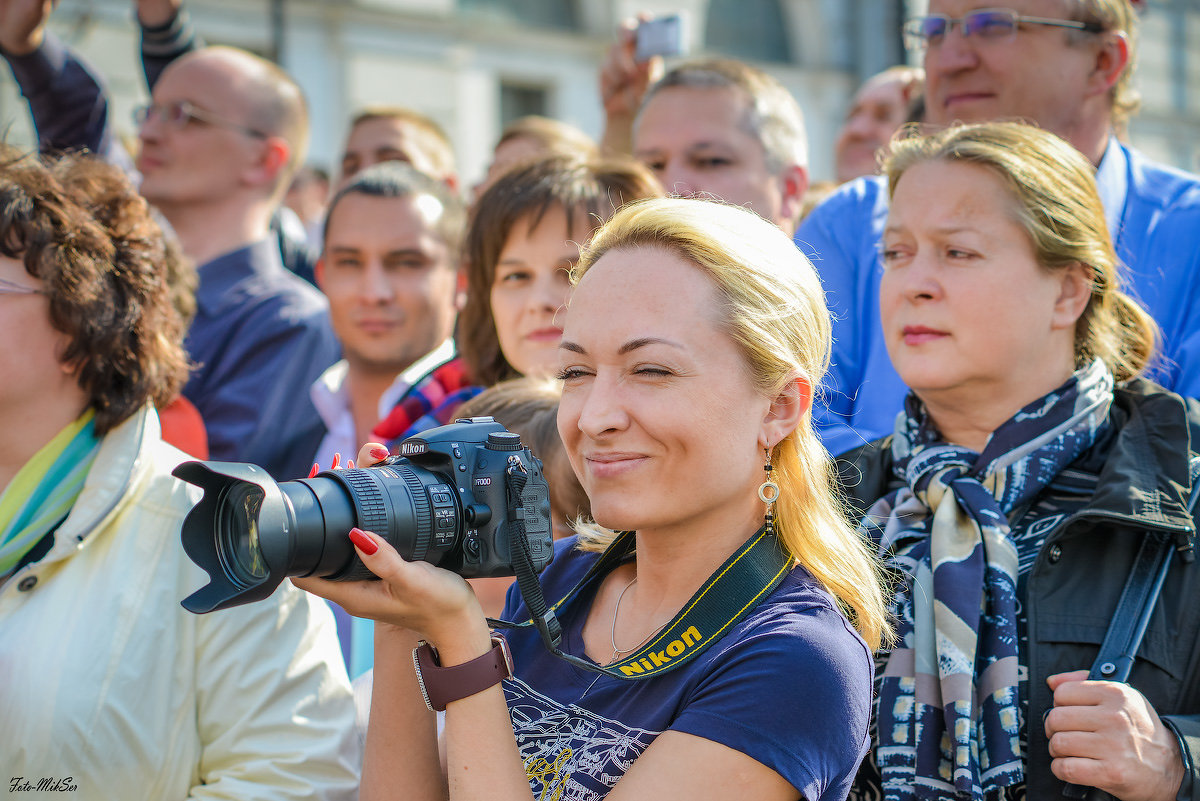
(108, 683)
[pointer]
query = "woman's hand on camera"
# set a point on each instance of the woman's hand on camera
(413, 595)
(1105, 734)
(435, 603)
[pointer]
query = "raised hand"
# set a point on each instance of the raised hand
(623, 84)
(23, 25)
(156, 13)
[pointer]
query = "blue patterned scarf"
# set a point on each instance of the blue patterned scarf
(947, 714)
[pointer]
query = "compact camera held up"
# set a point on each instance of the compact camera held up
(468, 497)
(661, 36)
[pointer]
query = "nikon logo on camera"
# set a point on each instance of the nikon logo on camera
(413, 448)
(654, 660)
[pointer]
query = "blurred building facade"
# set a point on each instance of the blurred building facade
(475, 64)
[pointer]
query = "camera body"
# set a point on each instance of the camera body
(468, 497)
(472, 531)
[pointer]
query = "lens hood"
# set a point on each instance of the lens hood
(229, 586)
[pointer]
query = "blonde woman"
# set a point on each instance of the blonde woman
(695, 335)
(1030, 465)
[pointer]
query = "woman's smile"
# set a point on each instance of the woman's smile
(613, 464)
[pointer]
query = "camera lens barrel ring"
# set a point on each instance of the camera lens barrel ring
(368, 502)
(370, 509)
(373, 508)
(424, 517)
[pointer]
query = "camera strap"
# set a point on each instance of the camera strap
(729, 594)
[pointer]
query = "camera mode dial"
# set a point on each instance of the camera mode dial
(503, 441)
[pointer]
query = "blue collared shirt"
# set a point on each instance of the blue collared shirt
(260, 338)
(1153, 211)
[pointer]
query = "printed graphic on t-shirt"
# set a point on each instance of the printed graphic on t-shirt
(570, 753)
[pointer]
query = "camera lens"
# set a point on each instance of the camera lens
(237, 532)
(249, 532)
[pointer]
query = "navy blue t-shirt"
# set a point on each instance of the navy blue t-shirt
(789, 685)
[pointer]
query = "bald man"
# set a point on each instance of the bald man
(221, 139)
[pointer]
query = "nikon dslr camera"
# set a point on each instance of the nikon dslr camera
(468, 497)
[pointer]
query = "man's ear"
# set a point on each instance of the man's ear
(786, 410)
(1112, 59)
(319, 273)
(461, 284)
(275, 156)
(793, 183)
(460, 290)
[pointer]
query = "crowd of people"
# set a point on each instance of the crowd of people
(882, 488)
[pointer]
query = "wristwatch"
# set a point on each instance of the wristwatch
(441, 685)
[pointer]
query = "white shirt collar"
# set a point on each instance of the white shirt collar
(415, 372)
(1112, 182)
(329, 394)
(331, 399)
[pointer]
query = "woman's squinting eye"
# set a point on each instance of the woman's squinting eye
(567, 373)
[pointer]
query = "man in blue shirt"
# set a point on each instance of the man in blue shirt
(219, 143)
(1071, 79)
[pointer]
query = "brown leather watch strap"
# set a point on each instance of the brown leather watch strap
(441, 685)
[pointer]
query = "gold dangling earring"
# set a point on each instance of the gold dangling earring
(768, 493)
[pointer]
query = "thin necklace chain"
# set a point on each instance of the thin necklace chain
(612, 635)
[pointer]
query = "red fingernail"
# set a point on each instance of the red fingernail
(349, 464)
(380, 453)
(316, 468)
(364, 543)
(337, 459)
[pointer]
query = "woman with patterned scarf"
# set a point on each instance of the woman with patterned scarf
(1027, 468)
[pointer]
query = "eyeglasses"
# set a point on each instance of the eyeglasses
(989, 24)
(178, 114)
(12, 288)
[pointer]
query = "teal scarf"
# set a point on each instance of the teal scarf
(42, 493)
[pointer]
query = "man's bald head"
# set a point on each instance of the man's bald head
(263, 97)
